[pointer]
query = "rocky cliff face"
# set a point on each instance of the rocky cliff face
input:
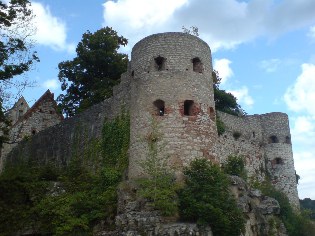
(261, 212)
(135, 217)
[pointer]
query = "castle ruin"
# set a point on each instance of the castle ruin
(169, 80)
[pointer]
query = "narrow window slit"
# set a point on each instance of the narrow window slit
(188, 107)
(197, 65)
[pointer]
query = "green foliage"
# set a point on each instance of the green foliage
(15, 49)
(296, 223)
(220, 126)
(224, 101)
(67, 201)
(207, 199)
(159, 185)
(89, 78)
(309, 204)
(235, 165)
(236, 135)
(21, 187)
(115, 141)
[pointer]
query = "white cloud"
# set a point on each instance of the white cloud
(51, 31)
(135, 19)
(305, 168)
(311, 32)
(270, 65)
(301, 96)
(303, 136)
(304, 125)
(222, 24)
(51, 84)
(243, 96)
(141, 13)
(224, 69)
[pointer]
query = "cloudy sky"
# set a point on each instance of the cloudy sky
(264, 51)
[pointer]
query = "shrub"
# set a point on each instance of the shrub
(88, 188)
(207, 200)
(236, 135)
(235, 165)
(220, 126)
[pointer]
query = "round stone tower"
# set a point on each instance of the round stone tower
(278, 154)
(171, 100)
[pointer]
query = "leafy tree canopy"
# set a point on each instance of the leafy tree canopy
(89, 78)
(16, 57)
(224, 101)
(207, 200)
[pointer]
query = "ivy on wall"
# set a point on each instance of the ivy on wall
(71, 200)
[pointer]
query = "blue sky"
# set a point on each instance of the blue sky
(263, 49)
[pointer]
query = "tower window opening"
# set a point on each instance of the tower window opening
(278, 161)
(188, 107)
(273, 139)
(197, 65)
(288, 140)
(133, 73)
(160, 63)
(159, 107)
(33, 132)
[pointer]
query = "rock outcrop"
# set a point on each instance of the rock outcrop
(135, 216)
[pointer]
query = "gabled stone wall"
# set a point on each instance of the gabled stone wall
(58, 143)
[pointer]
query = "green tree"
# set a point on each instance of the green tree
(16, 51)
(15, 46)
(89, 78)
(224, 101)
(207, 200)
(235, 165)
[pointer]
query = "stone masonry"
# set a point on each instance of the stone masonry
(168, 89)
(26, 122)
(265, 143)
(168, 85)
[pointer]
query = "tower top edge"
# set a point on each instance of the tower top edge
(169, 35)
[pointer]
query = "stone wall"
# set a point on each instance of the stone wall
(264, 142)
(26, 121)
(59, 143)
